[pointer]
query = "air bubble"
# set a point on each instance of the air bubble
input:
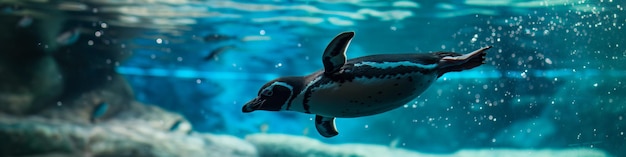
(548, 61)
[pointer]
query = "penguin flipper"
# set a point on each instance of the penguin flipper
(335, 54)
(326, 126)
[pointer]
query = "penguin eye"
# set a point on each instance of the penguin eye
(267, 92)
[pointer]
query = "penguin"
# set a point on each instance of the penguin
(361, 86)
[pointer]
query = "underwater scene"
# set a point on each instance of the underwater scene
(312, 78)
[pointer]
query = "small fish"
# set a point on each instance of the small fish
(68, 37)
(264, 128)
(305, 131)
(25, 21)
(10, 9)
(99, 111)
(214, 54)
(217, 37)
(176, 125)
(394, 142)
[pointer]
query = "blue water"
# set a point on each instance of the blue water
(553, 79)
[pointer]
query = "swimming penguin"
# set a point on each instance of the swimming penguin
(361, 86)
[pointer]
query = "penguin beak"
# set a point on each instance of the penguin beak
(252, 105)
(245, 109)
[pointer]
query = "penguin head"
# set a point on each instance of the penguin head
(271, 97)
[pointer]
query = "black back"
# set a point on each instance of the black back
(421, 58)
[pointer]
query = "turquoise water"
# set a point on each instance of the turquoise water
(553, 79)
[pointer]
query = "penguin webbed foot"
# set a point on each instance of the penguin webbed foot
(326, 126)
(463, 62)
(480, 53)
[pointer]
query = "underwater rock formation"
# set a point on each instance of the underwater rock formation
(107, 121)
(41, 61)
(279, 145)
(28, 88)
(146, 134)
(275, 145)
(30, 76)
(59, 98)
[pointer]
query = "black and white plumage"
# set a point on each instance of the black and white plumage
(361, 86)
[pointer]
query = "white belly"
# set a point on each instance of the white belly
(367, 96)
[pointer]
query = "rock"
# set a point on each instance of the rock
(144, 135)
(276, 145)
(30, 76)
(80, 108)
(531, 152)
(58, 100)
(38, 71)
(27, 88)
(125, 128)
(121, 109)
(154, 117)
